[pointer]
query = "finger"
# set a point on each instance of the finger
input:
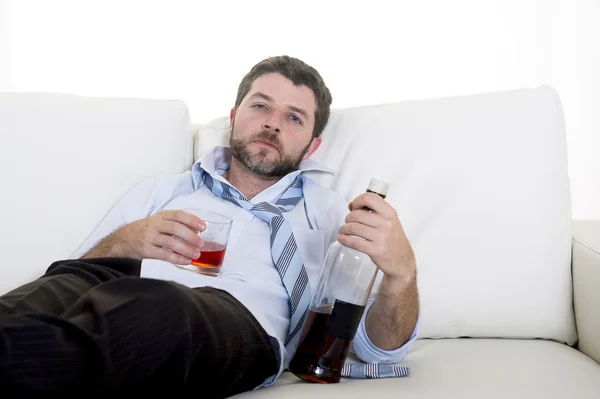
(373, 202)
(189, 219)
(182, 232)
(169, 256)
(363, 246)
(177, 245)
(372, 219)
(359, 230)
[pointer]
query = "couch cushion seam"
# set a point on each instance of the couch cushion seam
(585, 246)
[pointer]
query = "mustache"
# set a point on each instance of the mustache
(268, 137)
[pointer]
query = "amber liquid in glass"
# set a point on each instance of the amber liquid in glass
(211, 255)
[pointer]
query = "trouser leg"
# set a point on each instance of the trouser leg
(64, 283)
(134, 334)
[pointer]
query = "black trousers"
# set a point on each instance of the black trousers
(93, 327)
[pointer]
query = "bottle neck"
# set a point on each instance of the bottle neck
(374, 192)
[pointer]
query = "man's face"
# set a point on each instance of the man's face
(271, 130)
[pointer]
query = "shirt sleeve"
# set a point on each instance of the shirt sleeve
(369, 353)
(131, 207)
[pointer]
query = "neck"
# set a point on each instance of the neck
(246, 181)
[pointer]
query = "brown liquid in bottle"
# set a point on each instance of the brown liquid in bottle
(325, 341)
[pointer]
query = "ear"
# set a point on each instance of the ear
(231, 117)
(314, 145)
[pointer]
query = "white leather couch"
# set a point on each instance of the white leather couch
(509, 284)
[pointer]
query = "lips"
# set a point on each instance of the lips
(267, 144)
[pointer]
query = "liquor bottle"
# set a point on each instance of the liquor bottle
(335, 310)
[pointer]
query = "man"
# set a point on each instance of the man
(120, 316)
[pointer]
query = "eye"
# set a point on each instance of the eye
(259, 106)
(295, 119)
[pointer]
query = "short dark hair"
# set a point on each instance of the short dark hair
(299, 73)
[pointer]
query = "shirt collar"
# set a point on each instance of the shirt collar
(217, 161)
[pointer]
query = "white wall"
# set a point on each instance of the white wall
(5, 64)
(368, 52)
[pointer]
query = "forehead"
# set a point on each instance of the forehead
(284, 91)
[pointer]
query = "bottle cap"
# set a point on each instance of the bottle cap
(378, 186)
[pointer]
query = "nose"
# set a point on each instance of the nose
(272, 123)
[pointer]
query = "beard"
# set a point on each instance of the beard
(259, 163)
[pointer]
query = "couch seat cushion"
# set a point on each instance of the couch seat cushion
(463, 369)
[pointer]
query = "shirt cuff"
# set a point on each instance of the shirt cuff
(369, 353)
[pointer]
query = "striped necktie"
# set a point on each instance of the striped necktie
(284, 253)
(290, 267)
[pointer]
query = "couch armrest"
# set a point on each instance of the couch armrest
(586, 285)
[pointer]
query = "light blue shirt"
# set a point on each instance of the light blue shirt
(247, 272)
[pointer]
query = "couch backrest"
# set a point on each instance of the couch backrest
(65, 160)
(480, 184)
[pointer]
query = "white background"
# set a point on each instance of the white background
(369, 52)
